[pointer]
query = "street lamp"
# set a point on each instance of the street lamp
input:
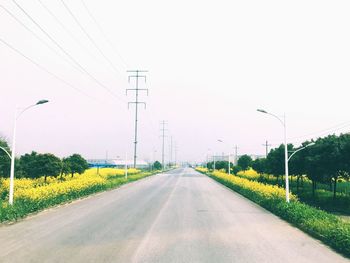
(229, 165)
(300, 149)
(8, 154)
(283, 122)
(12, 173)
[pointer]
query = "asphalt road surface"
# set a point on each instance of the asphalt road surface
(180, 216)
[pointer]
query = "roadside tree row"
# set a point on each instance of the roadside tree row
(326, 162)
(35, 165)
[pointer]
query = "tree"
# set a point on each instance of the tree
(297, 164)
(36, 165)
(48, 165)
(76, 164)
(259, 165)
(236, 169)
(29, 166)
(157, 165)
(324, 161)
(210, 165)
(245, 161)
(5, 160)
(65, 167)
(275, 163)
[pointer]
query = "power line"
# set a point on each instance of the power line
(137, 76)
(89, 37)
(323, 134)
(104, 34)
(323, 131)
(44, 69)
(36, 36)
(66, 29)
(163, 129)
(64, 51)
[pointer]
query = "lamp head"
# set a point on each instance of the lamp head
(41, 102)
(262, 111)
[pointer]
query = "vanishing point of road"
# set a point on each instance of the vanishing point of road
(179, 216)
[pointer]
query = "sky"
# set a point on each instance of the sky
(210, 65)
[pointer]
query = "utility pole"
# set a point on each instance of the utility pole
(163, 124)
(126, 165)
(106, 161)
(175, 153)
(236, 154)
(267, 148)
(171, 150)
(136, 75)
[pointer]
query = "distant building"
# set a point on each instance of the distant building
(256, 156)
(233, 159)
(117, 163)
(141, 164)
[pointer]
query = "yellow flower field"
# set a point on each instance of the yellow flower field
(33, 195)
(249, 174)
(267, 191)
(35, 189)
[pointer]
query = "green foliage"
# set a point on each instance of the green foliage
(219, 165)
(48, 165)
(28, 165)
(245, 161)
(74, 164)
(259, 165)
(5, 161)
(157, 165)
(236, 169)
(36, 165)
(325, 162)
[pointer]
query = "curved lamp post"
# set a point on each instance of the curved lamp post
(300, 149)
(8, 154)
(12, 173)
(283, 122)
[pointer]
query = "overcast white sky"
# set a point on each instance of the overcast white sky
(211, 65)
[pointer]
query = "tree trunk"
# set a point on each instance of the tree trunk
(72, 175)
(298, 179)
(45, 178)
(335, 188)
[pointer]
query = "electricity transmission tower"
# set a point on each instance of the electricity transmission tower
(163, 129)
(135, 74)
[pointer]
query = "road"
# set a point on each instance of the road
(180, 216)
